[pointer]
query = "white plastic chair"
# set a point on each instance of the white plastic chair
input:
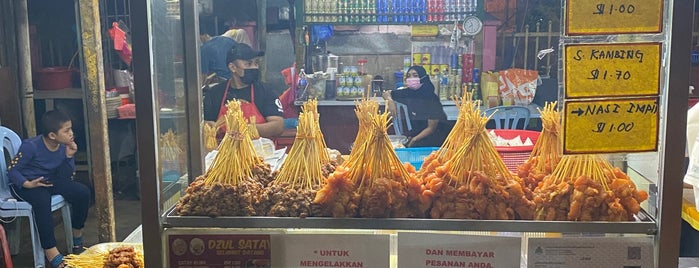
(14, 209)
(402, 115)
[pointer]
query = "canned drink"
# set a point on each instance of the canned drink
(476, 75)
(454, 61)
(357, 80)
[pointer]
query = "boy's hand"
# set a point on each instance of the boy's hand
(71, 148)
(38, 182)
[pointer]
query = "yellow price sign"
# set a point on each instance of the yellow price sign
(598, 17)
(611, 126)
(608, 70)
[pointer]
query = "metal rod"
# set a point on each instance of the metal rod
(526, 47)
(190, 20)
(548, 45)
(673, 133)
(146, 129)
(537, 48)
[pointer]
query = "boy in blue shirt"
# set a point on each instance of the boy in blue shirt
(43, 167)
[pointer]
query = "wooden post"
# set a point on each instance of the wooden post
(96, 116)
(25, 67)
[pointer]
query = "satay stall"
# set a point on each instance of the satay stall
(601, 187)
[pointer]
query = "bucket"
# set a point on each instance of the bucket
(54, 78)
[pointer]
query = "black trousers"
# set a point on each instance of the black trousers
(75, 193)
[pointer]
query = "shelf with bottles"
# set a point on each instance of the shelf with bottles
(452, 69)
(369, 12)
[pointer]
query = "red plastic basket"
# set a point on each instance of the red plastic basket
(513, 156)
(127, 111)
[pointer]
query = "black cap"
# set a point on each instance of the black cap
(242, 51)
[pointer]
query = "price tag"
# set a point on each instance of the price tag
(601, 70)
(611, 126)
(330, 250)
(450, 250)
(583, 252)
(590, 17)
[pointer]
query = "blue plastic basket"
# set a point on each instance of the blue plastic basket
(695, 56)
(414, 156)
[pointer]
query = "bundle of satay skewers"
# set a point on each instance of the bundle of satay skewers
(229, 185)
(117, 257)
(467, 179)
(293, 189)
(372, 183)
(587, 188)
(547, 150)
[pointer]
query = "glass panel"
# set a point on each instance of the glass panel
(169, 84)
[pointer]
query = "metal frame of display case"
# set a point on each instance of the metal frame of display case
(155, 218)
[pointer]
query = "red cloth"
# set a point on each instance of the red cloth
(120, 43)
(289, 110)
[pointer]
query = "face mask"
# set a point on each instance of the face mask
(250, 76)
(413, 82)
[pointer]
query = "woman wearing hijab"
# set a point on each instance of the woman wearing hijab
(428, 120)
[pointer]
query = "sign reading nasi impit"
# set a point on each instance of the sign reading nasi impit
(611, 126)
(604, 70)
(590, 17)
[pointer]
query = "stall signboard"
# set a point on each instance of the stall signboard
(607, 70)
(450, 250)
(219, 250)
(600, 17)
(583, 252)
(336, 250)
(610, 125)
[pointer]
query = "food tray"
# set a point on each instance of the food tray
(106, 247)
(415, 156)
(513, 156)
(643, 224)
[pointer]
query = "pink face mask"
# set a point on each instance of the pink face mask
(413, 82)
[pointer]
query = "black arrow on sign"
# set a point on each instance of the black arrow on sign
(579, 111)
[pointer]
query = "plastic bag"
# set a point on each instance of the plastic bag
(518, 85)
(490, 87)
(321, 33)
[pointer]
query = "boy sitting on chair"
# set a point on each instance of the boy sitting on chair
(43, 167)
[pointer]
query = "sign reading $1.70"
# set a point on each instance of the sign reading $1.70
(604, 70)
(611, 126)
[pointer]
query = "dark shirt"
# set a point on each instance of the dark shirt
(421, 107)
(267, 103)
(213, 56)
(34, 160)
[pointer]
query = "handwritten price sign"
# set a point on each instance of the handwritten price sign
(611, 126)
(603, 70)
(589, 17)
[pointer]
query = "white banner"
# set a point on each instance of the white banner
(336, 250)
(451, 250)
(582, 252)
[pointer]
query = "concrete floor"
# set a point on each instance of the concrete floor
(127, 213)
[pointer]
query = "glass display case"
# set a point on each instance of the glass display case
(166, 73)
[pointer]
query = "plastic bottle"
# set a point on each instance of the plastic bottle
(302, 85)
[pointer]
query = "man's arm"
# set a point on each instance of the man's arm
(272, 128)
